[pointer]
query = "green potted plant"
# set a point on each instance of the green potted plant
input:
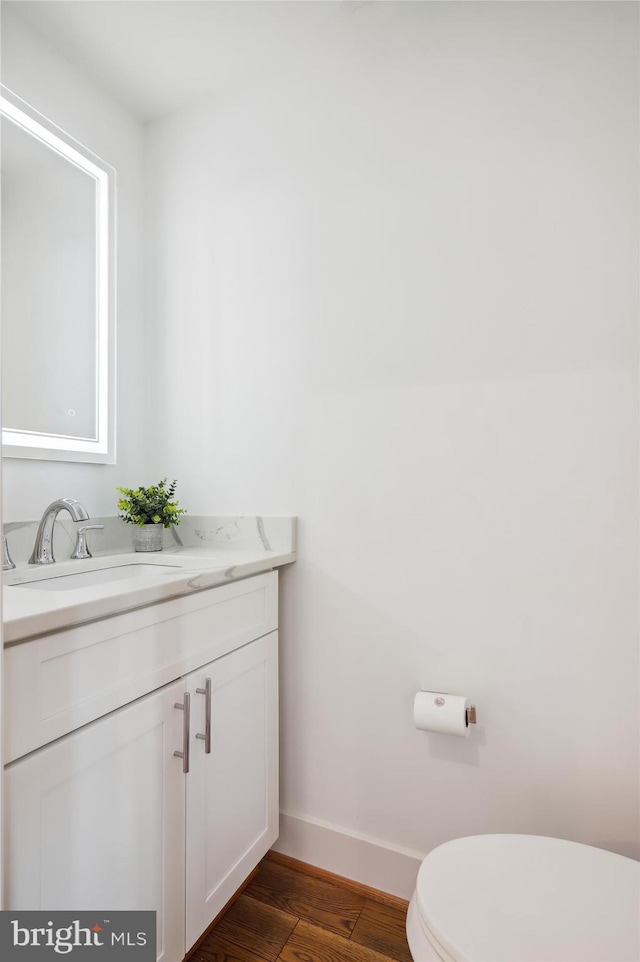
(150, 510)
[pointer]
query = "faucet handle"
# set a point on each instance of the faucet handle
(7, 563)
(81, 550)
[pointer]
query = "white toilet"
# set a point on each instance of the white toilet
(525, 898)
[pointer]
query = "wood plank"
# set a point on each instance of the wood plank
(309, 943)
(375, 895)
(218, 949)
(329, 905)
(383, 928)
(220, 914)
(256, 926)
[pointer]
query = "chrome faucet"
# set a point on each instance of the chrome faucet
(81, 549)
(7, 563)
(43, 549)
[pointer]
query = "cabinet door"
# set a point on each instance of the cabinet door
(95, 821)
(232, 793)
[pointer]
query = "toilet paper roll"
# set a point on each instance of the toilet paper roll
(437, 711)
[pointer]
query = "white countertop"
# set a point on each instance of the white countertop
(29, 610)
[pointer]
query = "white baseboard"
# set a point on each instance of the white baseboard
(365, 860)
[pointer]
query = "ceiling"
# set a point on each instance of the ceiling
(156, 56)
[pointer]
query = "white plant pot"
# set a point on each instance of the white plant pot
(149, 537)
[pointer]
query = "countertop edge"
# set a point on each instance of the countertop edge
(106, 601)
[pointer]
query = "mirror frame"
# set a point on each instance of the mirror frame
(57, 447)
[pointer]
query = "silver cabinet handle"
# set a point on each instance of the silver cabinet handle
(186, 725)
(206, 691)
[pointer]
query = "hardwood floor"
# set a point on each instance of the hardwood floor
(290, 912)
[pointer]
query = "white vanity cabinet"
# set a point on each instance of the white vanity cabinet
(105, 817)
(232, 792)
(94, 820)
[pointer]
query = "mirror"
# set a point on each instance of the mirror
(57, 288)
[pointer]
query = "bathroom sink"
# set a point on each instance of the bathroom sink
(99, 576)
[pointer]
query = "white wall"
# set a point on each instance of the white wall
(37, 74)
(396, 294)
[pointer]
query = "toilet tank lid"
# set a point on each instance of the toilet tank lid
(500, 898)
